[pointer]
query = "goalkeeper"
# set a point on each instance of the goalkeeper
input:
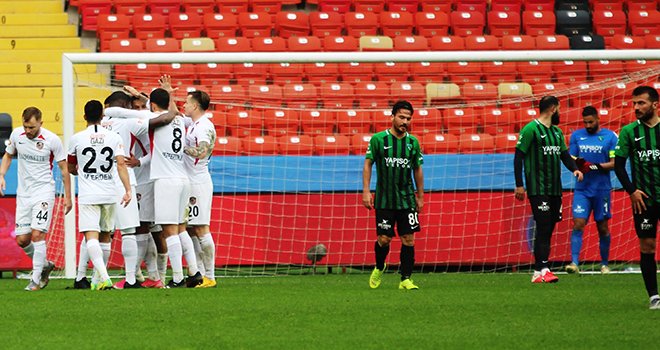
(593, 147)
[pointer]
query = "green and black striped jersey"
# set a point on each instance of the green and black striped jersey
(641, 144)
(395, 159)
(542, 147)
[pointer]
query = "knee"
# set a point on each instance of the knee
(579, 225)
(408, 240)
(384, 241)
(647, 246)
(23, 240)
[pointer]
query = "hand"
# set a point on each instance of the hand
(126, 199)
(520, 193)
(585, 166)
(132, 162)
(419, 199)
(68, 204)
(637, 200)
(367, 200)
(3, 185)
(579, 175)
(165, 82)
(132, 91)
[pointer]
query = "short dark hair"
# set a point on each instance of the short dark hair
(93, 111)
(201, 97)
(117, 99)
(547, 102)
(641, 90)
(402, 104)
(590, 111)
(160, 97)
(31, 112)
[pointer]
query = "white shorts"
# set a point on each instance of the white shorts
(33, 214)
(145, 201)
(96, 217)
(172, 194)
(200, 203)
(127, 217)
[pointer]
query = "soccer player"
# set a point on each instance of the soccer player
(398, 158)
(200, 138)
(93, 154)
(593, 147)
(540, 148)
(640, 141)
(36, 148)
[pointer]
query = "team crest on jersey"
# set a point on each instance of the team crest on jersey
(44, 205)
(40, 145)
(193, 200)
(138, 196)
(600, 138)
(409, 147)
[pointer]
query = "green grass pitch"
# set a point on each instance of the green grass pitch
(338, 311)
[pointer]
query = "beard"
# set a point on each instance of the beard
(644, 117)
(591, 130)
(555, 118)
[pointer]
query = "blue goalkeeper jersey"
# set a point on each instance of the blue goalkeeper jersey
(594, 148)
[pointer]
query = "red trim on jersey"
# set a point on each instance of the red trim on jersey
(151, 141)
(41, 137)
(72, 159)
(52, 156)
(196, 144)
(23, 133)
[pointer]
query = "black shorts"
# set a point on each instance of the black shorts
(546, 209)
(646, 223)
(406, 221)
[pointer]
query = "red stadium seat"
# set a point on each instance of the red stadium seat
(255, 74)
(503, 23)
(220, 24)
(288, 24)
(604, 69)
(437, 5)
(359, 143)
(538, 22)
(318, 122)
(609, 22)
(111, 27)
(403, 5)
(200, 7)
(147, 26)
(462, 120)
(426, 120)
(269, 6)
(641, 5)
(340, 43)
(467, 23)
(431, 24)
(652, 41)
(232, 6)
(90, 10)
(472, 6)
(382, 119)
(340, 6)
(499, 72)
(255, 24)
(304, 43)
(356, 72)
(244, 123)
(607, 5)
(644, 22)
(539, 5)
(269, 44)
(320, 73)
(498, 120)
(447, 43)
(296, 145)
(324, 24)
(543, 89)
(375, 6)
(286, 73)
(415, 93)
(476, 143)
(185, 25)
(428, 72)
(280, 122)
(162, 45)
(137, 74)
(229, 94)
(130, 7)
(439, 143)
(164, 7)
(506, 143)
(396, 23)
(182, 74)
(229, 44)
(126, 45)
(227, 146)
(354, 122)
(464, 72)
(390, 72)
(552, 42)
(571, 72)
(300, 95)
(506, 5)
(518, 42)
(372, 94)
(480, 91)
(260, 145)
(334, 145)
(360, 24)
(535, 72)
(481, 43)
(337, 95)
(269, 95)
(411, 43)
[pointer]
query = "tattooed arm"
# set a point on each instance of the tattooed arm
(201, 151)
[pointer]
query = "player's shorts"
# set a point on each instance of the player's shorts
(646, 223)
(546, 209)
(173, 195)
(406, 221)
(96, 217)
(145, 201)
(599, 203)
(127, 217)
(199, 204)
(33, 214)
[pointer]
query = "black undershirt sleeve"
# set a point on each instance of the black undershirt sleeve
(518, 167)
(568, 161)
(622, 174)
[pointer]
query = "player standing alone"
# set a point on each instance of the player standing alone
(594, 148)
(640, 141)
(398, 159)
(36, 149)
(540, 147)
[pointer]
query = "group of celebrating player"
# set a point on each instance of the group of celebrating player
(149, 156)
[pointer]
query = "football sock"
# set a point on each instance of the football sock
(175, 253)
(208, 250)
(407, 257)
(198, 254)
(141, 240)
(38, 260)
(151, 258)
(83, 259)
(542, 245)
(129, 249)
(29, 250)
(381, 255)
(161, 262)
(649, 270)
(96, 256)
(576, 246)
(188, 252)
(604, 245)
(105, 247)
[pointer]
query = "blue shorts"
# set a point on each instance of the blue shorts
(599, 203)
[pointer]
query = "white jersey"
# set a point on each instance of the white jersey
(200, 131)
(130, 130)
(95, 150)
(167, 151)
(141, 147)
(36, 157)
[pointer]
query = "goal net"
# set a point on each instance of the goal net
(293, 129)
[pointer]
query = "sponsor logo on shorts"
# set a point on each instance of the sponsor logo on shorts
(138, 196)
(544, 206)
(44, 205)
(646, 225)
(579, 209)
(384, 225)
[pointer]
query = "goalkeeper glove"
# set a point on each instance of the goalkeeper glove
(585, 166)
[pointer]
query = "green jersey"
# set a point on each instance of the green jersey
(542, 147)
(394, 158)
(641, 144)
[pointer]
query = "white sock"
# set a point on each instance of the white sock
(29, 250)
(129, 249)
(96, 256)
(141, 240)
(150, 258)
(83, 259)
(105, 247)
(189, 252)
(175, 253)
(208, 249)
(38, 260)
(162, 267)
(198, 254)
